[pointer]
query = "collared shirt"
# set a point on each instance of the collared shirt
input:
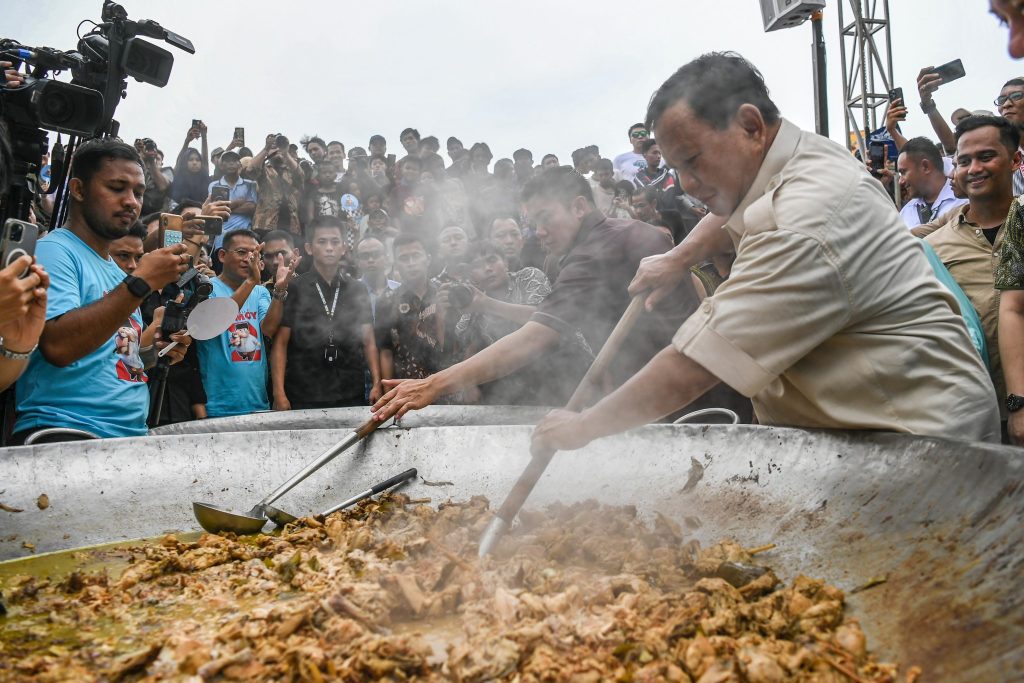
(309, 376)
(590, 293)
(917, 211)
(971, 259)
(389, 289)
(832, 316)
(411, 330)
(526, 287)
(243, 189)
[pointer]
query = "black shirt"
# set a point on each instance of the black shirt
(590, 293)
(309, 376)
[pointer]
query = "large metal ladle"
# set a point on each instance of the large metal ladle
(216, 519)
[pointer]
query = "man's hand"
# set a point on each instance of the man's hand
(376, 391)
(897, 112)
(177, 354)
(285, 273)
(217, 208)
(928, 82)
(282, 403)
(12, 77)
(23, 315)
(17, 294)
(402, 396)
(658, 274)
(560, 430)
(163, 266)
(255, 270)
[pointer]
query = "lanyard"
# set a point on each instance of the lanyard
(334, 305)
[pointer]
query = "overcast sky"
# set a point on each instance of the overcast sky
(548, 76)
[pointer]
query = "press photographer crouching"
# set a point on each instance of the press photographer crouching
(88, 376)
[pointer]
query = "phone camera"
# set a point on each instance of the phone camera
(17, 232)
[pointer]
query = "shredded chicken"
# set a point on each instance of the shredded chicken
(393, 590)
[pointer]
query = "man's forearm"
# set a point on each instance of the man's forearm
(246, 209)
(160, 181)
(501, 358)
(273, 319)
(517, 313)
(667, 383)
(943, 131)
(387, 364)
(81, 331)
(372, 356)
(707, 239)
(279, 363)
(1011, 340)
(10, 371)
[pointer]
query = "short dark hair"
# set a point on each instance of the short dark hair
(90, 155)
(481, 147)
(646, 147)
(714, 86)
(279, 235)
(634, 127)
(313, 139)
(415, 133)
(138, 230)
(648, 192)
(604, 163)
(482, 249)
(501, 217)
(336, 142)
(923, 148)
(1014, 81)
(188, 204)
(430, 142)
(230, 237)
(377, 138)
(522, 153)
(562, 184)
(377, 213)
(407, 238)
(1009, 134)
(321, 222)
(549, 156)
(453, 139)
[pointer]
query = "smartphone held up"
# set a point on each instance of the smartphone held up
(18, 239)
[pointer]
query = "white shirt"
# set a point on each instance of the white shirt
(627, 164)
(946, 201)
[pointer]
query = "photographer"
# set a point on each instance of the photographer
(158, 179)
(22, 316)
(279, 180)
(88, 373)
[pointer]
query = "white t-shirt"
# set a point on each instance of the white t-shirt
(627, 164)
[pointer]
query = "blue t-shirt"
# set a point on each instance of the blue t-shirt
(234, 364)
(104, 392)
(243, 189)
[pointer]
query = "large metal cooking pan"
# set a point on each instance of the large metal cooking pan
(943, 520)
(339, 418)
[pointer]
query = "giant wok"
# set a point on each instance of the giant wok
(940, 520)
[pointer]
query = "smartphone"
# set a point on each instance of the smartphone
(878, 152)
(212, 225)
(19, 239)
(220, 193)
(196, 123)
(170, 229)
(240, 134)
(951, 71)
(897, 94)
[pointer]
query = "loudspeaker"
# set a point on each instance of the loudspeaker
(788, 13)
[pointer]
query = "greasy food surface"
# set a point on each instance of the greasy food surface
(392, 589)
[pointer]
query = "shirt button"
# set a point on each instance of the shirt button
(977, 232)
(706, 307)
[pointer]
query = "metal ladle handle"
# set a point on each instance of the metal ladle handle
(335, 450)
(377, 488)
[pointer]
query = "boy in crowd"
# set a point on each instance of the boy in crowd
(326, 342)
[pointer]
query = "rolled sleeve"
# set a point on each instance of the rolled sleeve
(783, 298)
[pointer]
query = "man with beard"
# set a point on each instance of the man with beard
(76, 380)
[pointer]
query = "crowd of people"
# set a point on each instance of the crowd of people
(489, 283)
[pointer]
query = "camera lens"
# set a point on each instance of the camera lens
(16, 232)
(56, 107)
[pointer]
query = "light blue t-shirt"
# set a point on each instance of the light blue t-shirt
(234, 364)
(243, 189)
(104, 392)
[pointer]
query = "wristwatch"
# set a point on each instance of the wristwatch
(278, 295)
(137, 286)
(1014, 402)
(15, 355)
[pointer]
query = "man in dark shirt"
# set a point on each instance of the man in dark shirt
(325, 343)
(599, 259)
(411, 333)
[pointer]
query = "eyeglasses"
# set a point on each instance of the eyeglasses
(639, 134)
(243, 253)
(1014, 97)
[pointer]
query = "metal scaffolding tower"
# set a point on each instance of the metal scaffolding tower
(866, 49)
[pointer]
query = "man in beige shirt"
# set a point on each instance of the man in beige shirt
(831, 317)
(969, 240)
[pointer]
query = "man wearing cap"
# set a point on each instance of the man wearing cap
(831, 318)
(241, 193)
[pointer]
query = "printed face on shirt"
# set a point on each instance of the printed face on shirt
(110, 202)
(129, 367)
(717, 166)
(326, 247)
(557, 223)
(126, 253)
(506, 234)
(245, 344)
(984, 167)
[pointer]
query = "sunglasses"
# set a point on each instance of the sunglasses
(1012, 97)
(639, 134)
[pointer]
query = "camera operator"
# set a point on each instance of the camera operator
(275, 168)
(89, 371)
(22, 315)
(234, 364)
(158, 179)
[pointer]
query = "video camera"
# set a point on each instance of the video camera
(83, 108)
(196, 287)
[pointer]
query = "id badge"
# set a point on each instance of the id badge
(330, 353)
